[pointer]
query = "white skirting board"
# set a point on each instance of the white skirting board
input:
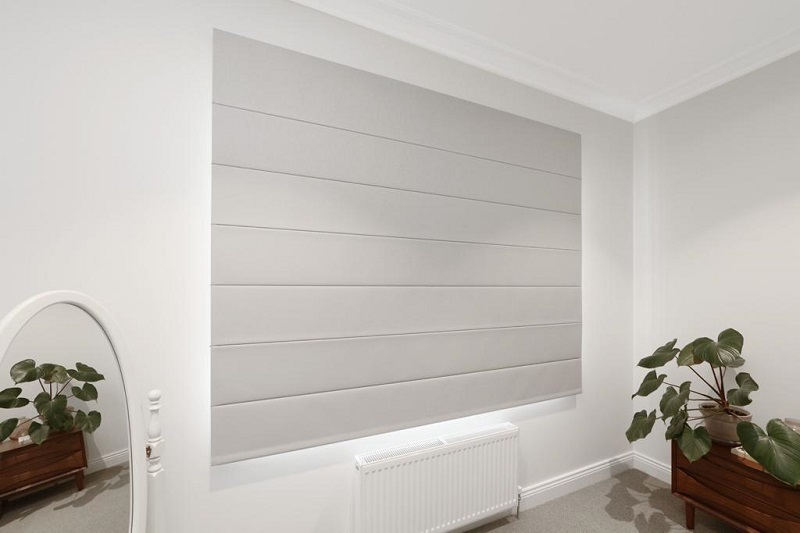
(545, 491)
(107, 461)
(651, 467)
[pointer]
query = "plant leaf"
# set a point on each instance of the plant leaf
(687, 357)
(85, 373)
(87, 393)
(54, 373)
(641, 425)
(673, 401)
(741, 396)
(25, 371)
(736, 363)
(57, 406)
(777, 450)
(40, 401)
(670, 393)
(9, 399)
(650, 383)
(38, 432)
(676, 425)
(48, 408)
(731, 337)
(7, 427)
(720, 353)
(662, 356)
(88, 422)
(694, 443)
(61, 421)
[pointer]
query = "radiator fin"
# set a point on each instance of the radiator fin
(397, 453)
(438, 485)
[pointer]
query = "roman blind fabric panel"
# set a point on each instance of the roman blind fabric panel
(382, 255)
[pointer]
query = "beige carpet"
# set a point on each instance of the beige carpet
(102, 506)
(630, 501)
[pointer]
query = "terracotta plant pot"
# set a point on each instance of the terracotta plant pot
(722, 426)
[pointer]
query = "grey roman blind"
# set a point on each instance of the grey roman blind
(383, 256)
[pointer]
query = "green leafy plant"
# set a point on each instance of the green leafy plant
(54, 414)
(777, 449)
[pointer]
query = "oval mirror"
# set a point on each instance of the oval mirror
(66, 466)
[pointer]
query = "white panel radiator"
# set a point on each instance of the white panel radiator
(438, 485)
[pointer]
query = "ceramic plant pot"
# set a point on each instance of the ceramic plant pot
(722, 426)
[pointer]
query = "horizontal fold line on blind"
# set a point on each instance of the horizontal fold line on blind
(547, 324)
(476, 243)
(416, 285)
(415, 191)
(396, 382)
(397, 140)
(255, 452)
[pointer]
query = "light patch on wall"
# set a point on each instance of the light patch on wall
(259, 469)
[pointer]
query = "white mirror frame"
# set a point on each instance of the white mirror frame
(13, 323)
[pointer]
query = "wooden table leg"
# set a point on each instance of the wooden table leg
(79, 480)
(689, 515)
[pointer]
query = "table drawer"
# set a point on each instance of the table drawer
(743, 483)
(761, 517)
(21, 466)
(740, 494)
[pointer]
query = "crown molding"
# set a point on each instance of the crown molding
(428, 32)
(443, 38)
(721, 73)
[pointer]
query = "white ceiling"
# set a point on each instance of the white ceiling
(628, 58)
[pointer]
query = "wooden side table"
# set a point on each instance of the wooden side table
(24, 467)
(736, 491)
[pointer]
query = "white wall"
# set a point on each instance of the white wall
(106, 143)
(718, 231)
(65, 334)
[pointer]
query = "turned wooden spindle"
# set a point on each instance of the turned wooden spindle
(155, 450)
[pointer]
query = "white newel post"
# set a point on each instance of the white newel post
(155, 477)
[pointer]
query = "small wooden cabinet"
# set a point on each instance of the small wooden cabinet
(24, 467)
(736, 491)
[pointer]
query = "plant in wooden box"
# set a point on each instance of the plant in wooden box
(54, 414)
(777, 449)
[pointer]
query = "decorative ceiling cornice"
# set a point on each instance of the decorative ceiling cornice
(436, 35)
(721, 73)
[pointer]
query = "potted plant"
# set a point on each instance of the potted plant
(777, 449)
(54, 413)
